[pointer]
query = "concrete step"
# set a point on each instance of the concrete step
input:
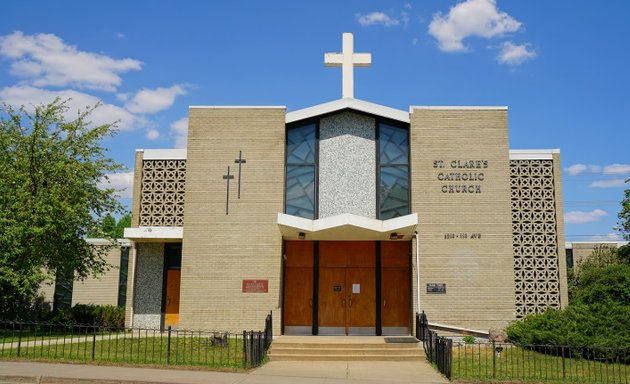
(343, 349)
(297, 357)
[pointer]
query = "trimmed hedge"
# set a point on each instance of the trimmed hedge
(108, 316)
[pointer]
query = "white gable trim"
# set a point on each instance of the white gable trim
(348, 103)
(347, 227)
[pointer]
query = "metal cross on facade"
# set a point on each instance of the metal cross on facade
(227, 177)
(347, 60)
(239, 161)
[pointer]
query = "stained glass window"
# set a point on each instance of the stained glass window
(300, 171)
(393, 171)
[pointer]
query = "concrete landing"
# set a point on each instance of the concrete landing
(350, 372)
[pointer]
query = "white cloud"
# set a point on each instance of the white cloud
(512, 54)
(610, 183)
(46, 60)
(120, 35)
(576, 169)
(414, 41)
(121, 182)
(106, 113)
(612, 236)
(376, 18)
(471, 18)
(153, 134)
(617, 169)
(580, 217)
(154, 100)
(179, 130)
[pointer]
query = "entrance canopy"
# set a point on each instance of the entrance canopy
(347, 227)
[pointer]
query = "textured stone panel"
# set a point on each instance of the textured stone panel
(535, 238)
(347, 165)
(148, 286)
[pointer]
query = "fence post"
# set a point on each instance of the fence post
(564, 371)
(19, 339)
(494, 360)
(244, 349)
(168, 346)
(93, 341)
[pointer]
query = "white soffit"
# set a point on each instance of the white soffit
(163, 154)
(532, 154)
(148, 234)
(348, 103)
(347, 227)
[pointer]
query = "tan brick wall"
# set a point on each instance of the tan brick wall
(131, 275)
(137, 190)
(101, 290)
(220, 250)
(479, 273)
(562, 255)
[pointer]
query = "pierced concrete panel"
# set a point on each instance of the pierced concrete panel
(162, 193)
(535, 237)
(347, 165)
(148, 286)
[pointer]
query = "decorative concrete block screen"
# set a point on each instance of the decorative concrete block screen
(162, 193)
(535, 237)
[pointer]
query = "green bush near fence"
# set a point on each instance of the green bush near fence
(108, 316)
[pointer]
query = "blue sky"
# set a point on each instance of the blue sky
(560, 66)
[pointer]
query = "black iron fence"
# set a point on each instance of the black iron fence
(482, 361)
(438, 349)
(135, 346)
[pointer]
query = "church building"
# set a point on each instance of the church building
(345, 218)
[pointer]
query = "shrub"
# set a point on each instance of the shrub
(579, 325)
(469, 339)
(89, 314)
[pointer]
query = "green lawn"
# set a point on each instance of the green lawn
(135, 348)
(475, 363)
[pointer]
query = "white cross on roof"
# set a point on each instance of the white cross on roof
(347, 60)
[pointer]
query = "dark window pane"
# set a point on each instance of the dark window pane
(122, 277)
(64, 282)
(394, 143)
(394, 191)
(300, 198)
(301, 145)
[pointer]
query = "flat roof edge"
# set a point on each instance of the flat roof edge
(459, 107)
(533, 154)
(164, 154)
(237, 107)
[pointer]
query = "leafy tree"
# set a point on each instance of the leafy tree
(110, 228)
(624, 215)
(49, 198)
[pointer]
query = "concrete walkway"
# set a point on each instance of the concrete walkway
(273, 372)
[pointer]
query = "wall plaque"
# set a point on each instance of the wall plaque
(436, 287)
(255, 286)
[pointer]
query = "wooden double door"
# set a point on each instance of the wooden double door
(346, 288)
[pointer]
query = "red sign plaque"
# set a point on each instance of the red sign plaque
(255, 286)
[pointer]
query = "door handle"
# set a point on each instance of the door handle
(168, 301)
(384, 303)
(350, 302)
(343, 302)
(310, 302)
